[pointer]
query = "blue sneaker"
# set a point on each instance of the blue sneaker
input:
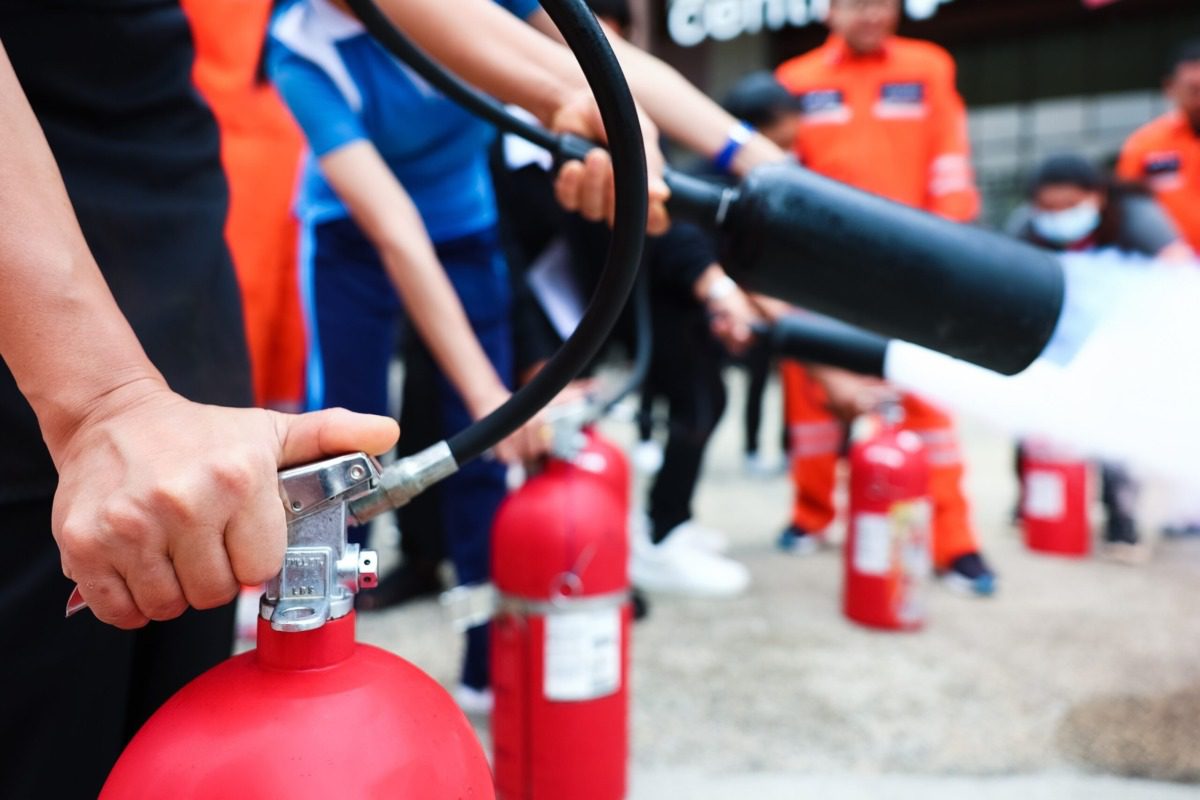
(970, 574)
(796, 541)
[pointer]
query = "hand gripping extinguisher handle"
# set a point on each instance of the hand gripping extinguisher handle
(579, 28)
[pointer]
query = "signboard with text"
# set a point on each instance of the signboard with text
(690, 22)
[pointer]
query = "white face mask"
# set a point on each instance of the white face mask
(1069, 225)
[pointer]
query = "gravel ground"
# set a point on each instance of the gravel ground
(1078, 674)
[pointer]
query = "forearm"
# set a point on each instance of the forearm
(438, 316)
(61, 333)
(684, 113)
(389, 219)
(680, 110)
(518, 65)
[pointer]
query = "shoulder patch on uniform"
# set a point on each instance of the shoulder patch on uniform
(1163, 170)
(824, 106)
(902, 100)
(1162, 162)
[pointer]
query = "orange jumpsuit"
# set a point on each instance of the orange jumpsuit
(892, 124)
(1165, 155)
(260, 150)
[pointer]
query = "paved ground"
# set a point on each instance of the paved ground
(1079, 677)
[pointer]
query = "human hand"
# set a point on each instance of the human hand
(850, 394)
(770, 308)
(163, 503)
(528, 443)
(732, 315)
(732, 320)
(587, 186)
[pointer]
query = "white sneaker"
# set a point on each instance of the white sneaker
(699, 537)
(647, 457)
(757, 465)
(675, 567)
(474, 702)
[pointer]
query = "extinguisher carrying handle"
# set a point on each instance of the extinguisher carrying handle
(322, 571)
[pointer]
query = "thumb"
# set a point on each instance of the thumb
(335, 431)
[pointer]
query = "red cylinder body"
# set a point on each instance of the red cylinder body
(889, 547)
(560, 557)
(306, 715)
(1054, 501)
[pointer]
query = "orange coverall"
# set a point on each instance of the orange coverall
(1165, 155)
(260, 150)
(892, 124)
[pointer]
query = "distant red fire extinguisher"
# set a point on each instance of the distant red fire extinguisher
(560, 638)
(888, 554)
(1054, 501)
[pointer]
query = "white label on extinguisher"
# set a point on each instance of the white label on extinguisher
(583, 654)
(1045, 495)
(872, 544)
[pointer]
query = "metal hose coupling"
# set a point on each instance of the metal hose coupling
(399, 483)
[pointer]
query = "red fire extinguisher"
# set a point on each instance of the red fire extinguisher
(560, 638)
(311, 712)
(888, 552)
(1054, 501)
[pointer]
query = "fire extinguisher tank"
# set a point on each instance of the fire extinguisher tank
(560, 639)
(311, 714)
(1054, 501)
(888, 549)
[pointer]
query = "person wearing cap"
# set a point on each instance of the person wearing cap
(1165, 153)
(763, 103)
(881, 113)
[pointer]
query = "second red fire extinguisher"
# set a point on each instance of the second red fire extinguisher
(888, 548)
(560, 639)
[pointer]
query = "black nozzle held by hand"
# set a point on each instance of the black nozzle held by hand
(821, 340)
(962, 291)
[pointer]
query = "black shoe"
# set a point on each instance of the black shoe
(970, 574)
(641, 607)
(1120, 530)
(797, 542)
(410, 581)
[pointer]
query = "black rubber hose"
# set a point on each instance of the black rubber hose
(585, 38)
(821, 340)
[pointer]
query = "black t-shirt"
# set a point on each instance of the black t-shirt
(110, 83)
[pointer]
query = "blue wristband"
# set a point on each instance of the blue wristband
(739, 134)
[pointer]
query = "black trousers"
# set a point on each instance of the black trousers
(422, 539)
(757, 362)
(73, 691)
(685, 370)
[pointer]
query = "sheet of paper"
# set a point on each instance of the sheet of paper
(553, 284)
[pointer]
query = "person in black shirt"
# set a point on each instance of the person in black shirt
(130, 459)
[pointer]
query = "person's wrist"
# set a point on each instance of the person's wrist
(64, 417)
(739, 135)
(759, 150)
(486, 399)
